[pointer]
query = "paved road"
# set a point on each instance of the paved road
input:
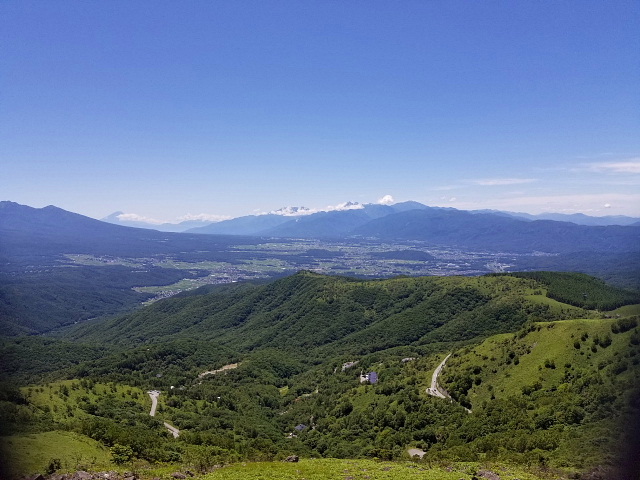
(434, 389)
(154, 405)
(154, 401)
(174, 431)
(416, 451)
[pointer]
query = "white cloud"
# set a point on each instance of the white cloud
(631, 166)
(134, 217)
(300, 211)
(501, 181)
(205, 217)
(593, 204)
(386, 200)
(345, 206)
(292, 211)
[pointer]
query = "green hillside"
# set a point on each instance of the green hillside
(570, 381)
(550, 385)
(310, 311)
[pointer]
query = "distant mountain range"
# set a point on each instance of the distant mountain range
(408, 221)
(263, 223)
(577, 218)
(35, 271)
(121, 218)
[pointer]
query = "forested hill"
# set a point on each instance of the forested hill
(315, 313)
(259, 372)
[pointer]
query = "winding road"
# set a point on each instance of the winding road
(434, 389)
(154, 401)
(154, 394)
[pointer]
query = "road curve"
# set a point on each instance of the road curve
(434, 389)
(154, 401)
(154, 394)
(174, 431)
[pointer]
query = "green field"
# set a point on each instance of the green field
(33, 453)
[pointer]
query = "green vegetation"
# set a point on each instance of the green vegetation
(52, 451)
(582, 290)
(325, 469)
(57, 296)
(550, 385)
(562, 384)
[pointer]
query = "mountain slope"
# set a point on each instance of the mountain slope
(294, 352)
(579, 218)
(566, 384)
(495, 232)
(309, 311)
(247, 225)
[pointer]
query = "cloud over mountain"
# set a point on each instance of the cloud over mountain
(386, 200)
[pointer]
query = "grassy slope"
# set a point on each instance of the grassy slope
(33, 452)
(553, 341)
(325, 469)
(545, 361)
(64, 407)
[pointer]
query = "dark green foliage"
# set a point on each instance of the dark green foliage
(57, 296)
(54, 465)
(121, 454)
(624, 324)
(321, 315)
(582, 290)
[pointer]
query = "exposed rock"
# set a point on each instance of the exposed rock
(598, 473)
(82, 475)
(292, 458)
(37, 476)
(489, 475)
(178, 475)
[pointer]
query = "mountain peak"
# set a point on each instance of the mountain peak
(292, 211)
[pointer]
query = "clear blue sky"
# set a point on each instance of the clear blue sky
(165, 109)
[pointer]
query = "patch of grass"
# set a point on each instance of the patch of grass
(63, 398)
(325, 469)
(27, 454)
(627, 310)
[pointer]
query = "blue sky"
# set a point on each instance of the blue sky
(225, 108)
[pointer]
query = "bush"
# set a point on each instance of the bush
(121, 454)
(55, 464)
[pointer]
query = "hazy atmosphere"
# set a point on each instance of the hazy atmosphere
(174, 110)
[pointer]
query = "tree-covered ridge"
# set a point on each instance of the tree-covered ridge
(581, 290)
(313, 312)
